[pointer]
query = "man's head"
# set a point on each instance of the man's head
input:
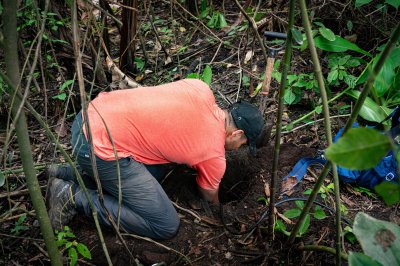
(245, 125)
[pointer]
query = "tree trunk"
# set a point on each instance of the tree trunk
(12, 68)
(128, 36)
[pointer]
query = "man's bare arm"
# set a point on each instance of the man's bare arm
(210, 195)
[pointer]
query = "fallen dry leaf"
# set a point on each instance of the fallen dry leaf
(267, 190)
(288, 185)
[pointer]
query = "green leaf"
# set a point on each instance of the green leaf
(280, 227)
(2, 179)
(389, 191)
(349, 25)
(207, 75)
(327, 34)
(319, 214)
(333, 75)
(379, 239)
(393, 3)
(297, 36)
(84, 251)
(338, 45)
(359, 148)
(304, 225)
(60, 96)
(360, 259)
(299, 204)
(370, 110)
(293, 213)
(222, 21)
(73, 256)
(360, 3)
(66, 84)
(387, 74)
(289, 97)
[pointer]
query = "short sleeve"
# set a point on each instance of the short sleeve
(210, 173)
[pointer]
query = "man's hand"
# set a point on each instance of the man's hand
(210, 195)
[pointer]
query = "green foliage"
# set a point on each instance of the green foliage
(19, 225)
(359, 148)
(318, 214)
(206, 76)
(380, 240)
(349, 235)
(339, 65)
(385, 87)
(393, 3)
(139, 63)
(371, 111)
(389, 191)
(66, 239)
(323, 191)
(360, 259)
(339, 44)
(216, 20)
(63, 95)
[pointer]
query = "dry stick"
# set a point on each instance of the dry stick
(17, 193)
(160, 245)
(285, 70)
(254, 27)
(324, 97)
(260, 40)
(359, 103)
(79, 70)
(155, 31)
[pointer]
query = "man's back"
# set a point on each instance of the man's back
(176, 122)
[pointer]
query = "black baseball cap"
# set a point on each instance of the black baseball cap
(248, 118)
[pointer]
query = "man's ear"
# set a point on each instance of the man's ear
(238, 133)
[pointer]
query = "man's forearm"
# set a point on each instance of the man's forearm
(210, 195)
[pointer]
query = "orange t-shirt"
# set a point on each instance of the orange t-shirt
(177, 122)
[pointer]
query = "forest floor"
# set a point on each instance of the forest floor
(208, 235)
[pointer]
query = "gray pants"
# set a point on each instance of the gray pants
(146, 209)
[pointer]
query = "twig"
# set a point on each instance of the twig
(22, 237)
(195, 215)
(159, 244)
(313, 122)
(17, 193)
(156, 32)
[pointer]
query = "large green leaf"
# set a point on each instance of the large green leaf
(338, 45)
(370, 110)
(359, 149)
(379, 239)
(293, 213)
(304, 225)
(359, 3)
(327, 34)
(394, 3)
(386, 75)
(360, 259)
(389, 191)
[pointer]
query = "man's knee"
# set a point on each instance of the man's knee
(168, 230)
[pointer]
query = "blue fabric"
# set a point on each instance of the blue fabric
(385, 170)
(146, 209)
